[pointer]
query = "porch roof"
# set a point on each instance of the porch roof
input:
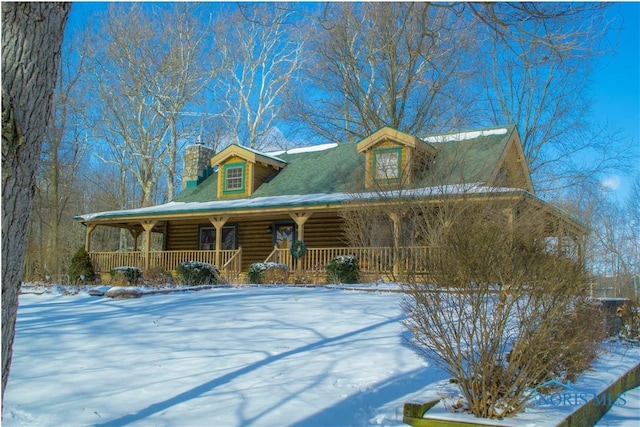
(290, 201)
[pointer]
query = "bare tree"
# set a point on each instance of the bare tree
(611, 241)
(612, 250)
(424, 67)
(535, 67)
(149, 64)
(188, 68)
(383, 64)
(57, 183)
(632, 207)
(614, 246)
(261, 63)
(32, 36)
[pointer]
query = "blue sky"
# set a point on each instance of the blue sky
(616, 83)
(616, 86)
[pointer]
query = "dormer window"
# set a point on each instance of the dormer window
(241, 170)
(234, 178)
(386, 165)
(391, 157)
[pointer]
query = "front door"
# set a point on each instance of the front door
(283, 235)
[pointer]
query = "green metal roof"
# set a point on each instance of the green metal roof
(334, 170)
(462, 158)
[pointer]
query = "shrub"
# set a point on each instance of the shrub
(501, 314)
(198, 273)
(343, 269)
(309, 276)
(267, 273)
(125, 275)
(118, 278)
(583, 330)
(314, 275)
(629, 315)
(157, 276)
(81, 265)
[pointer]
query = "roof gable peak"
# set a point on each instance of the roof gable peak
(248, 154)
(389, 134)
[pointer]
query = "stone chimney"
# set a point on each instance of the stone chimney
(196, 164)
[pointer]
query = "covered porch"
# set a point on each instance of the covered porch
(234, 239)
(231, 242)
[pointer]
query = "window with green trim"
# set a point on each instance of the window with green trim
(234, 178)
(386, 164)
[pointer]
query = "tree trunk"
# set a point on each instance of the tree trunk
(31, 40)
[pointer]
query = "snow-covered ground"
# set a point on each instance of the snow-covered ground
(626, 411)
(261, 356)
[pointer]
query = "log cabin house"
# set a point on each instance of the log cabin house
(242, 206)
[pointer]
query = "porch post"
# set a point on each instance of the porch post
(510, 215)
(135, 234)
(580, 241)
(559, 239)
(218, 222)
(148, 226)
(395, 218)
(300, 219)
(87, 237)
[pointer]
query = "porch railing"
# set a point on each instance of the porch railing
(103, 262)
(281, 256)
(371, 260)
(233, 267)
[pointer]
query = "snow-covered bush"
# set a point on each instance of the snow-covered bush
(343, 269)
(81, 266)
(125, 275)
(198, 273)
(267, 273)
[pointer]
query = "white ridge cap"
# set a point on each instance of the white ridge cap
(463, 136)
(307, 149)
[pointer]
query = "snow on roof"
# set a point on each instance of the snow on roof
(307, 149)
(463, 136)
(312, 148)
(268, 155)
(295, 200)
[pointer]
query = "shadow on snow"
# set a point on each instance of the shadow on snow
(217, 382)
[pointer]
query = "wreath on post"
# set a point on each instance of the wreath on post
(298, 248)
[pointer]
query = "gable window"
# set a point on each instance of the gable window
(386, 164)
(234, 178)
(208, 238)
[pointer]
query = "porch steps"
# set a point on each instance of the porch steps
(240, 279)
